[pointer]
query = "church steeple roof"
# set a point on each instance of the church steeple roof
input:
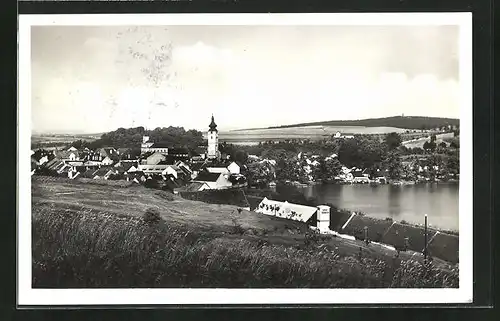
(213, 125)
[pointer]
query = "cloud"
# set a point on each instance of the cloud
(84, 78)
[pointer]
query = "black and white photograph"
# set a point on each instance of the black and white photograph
(245, 159)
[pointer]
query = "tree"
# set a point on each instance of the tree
(393, 140)
(240, 156)
(288, 169)
(393, 166)
(330, 168)
(429, 146)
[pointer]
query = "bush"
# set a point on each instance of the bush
(151, 216)
(237, 228)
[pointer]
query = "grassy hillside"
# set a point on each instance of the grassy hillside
(94, 235)
(408, 122)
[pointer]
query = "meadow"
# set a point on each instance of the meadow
(303, 132)
(98, 235)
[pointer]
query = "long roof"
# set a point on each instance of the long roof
(302, 212)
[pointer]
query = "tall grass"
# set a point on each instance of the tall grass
(89, 249)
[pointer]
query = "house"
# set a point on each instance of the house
(339, 135)
(184, 167)
(126, 167)
(72, 149)
(136, 176)
(109, 152)
(233, 168)
(174, 171)
(358, 177)
(149, 170)
(92, 164)
(287, 210)
(129, 155)
(214, 180)
(104, 173)
(159, 148)
(146, 144)
(89, 155)
(107, 161)
(44, 159)
(179, 153)
(67, 155)
(196, 168)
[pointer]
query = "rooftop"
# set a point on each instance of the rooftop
(207, 177)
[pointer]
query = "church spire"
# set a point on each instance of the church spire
(213, 125)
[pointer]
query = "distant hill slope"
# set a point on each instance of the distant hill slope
(406, 122)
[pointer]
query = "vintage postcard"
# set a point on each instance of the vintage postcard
(245, 159)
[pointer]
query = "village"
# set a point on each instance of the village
(179, 169)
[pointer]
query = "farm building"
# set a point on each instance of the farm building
(319, 215)
(359, 177)
(286, 210)
(214, 180)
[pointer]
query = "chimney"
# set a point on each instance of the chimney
(323, 217)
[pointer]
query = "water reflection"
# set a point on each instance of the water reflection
(394, 201)
(409, 203)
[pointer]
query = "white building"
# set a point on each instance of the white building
(214, 180)
(213, 141)
(296, 212)
(233, 168)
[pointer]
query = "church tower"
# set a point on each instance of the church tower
(213, 141)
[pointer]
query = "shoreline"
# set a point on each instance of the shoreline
(308, 202)
(393, 183)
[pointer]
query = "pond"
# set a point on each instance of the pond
(407, 202)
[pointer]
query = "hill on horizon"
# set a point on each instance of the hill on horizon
(404, 122)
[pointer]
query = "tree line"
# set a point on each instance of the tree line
(132, 138)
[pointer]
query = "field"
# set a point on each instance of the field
(419, 142)
(57, 140)
(94, 235)
(304, 132)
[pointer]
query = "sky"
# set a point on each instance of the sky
(92, 79)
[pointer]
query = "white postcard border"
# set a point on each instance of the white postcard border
(29, 296)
